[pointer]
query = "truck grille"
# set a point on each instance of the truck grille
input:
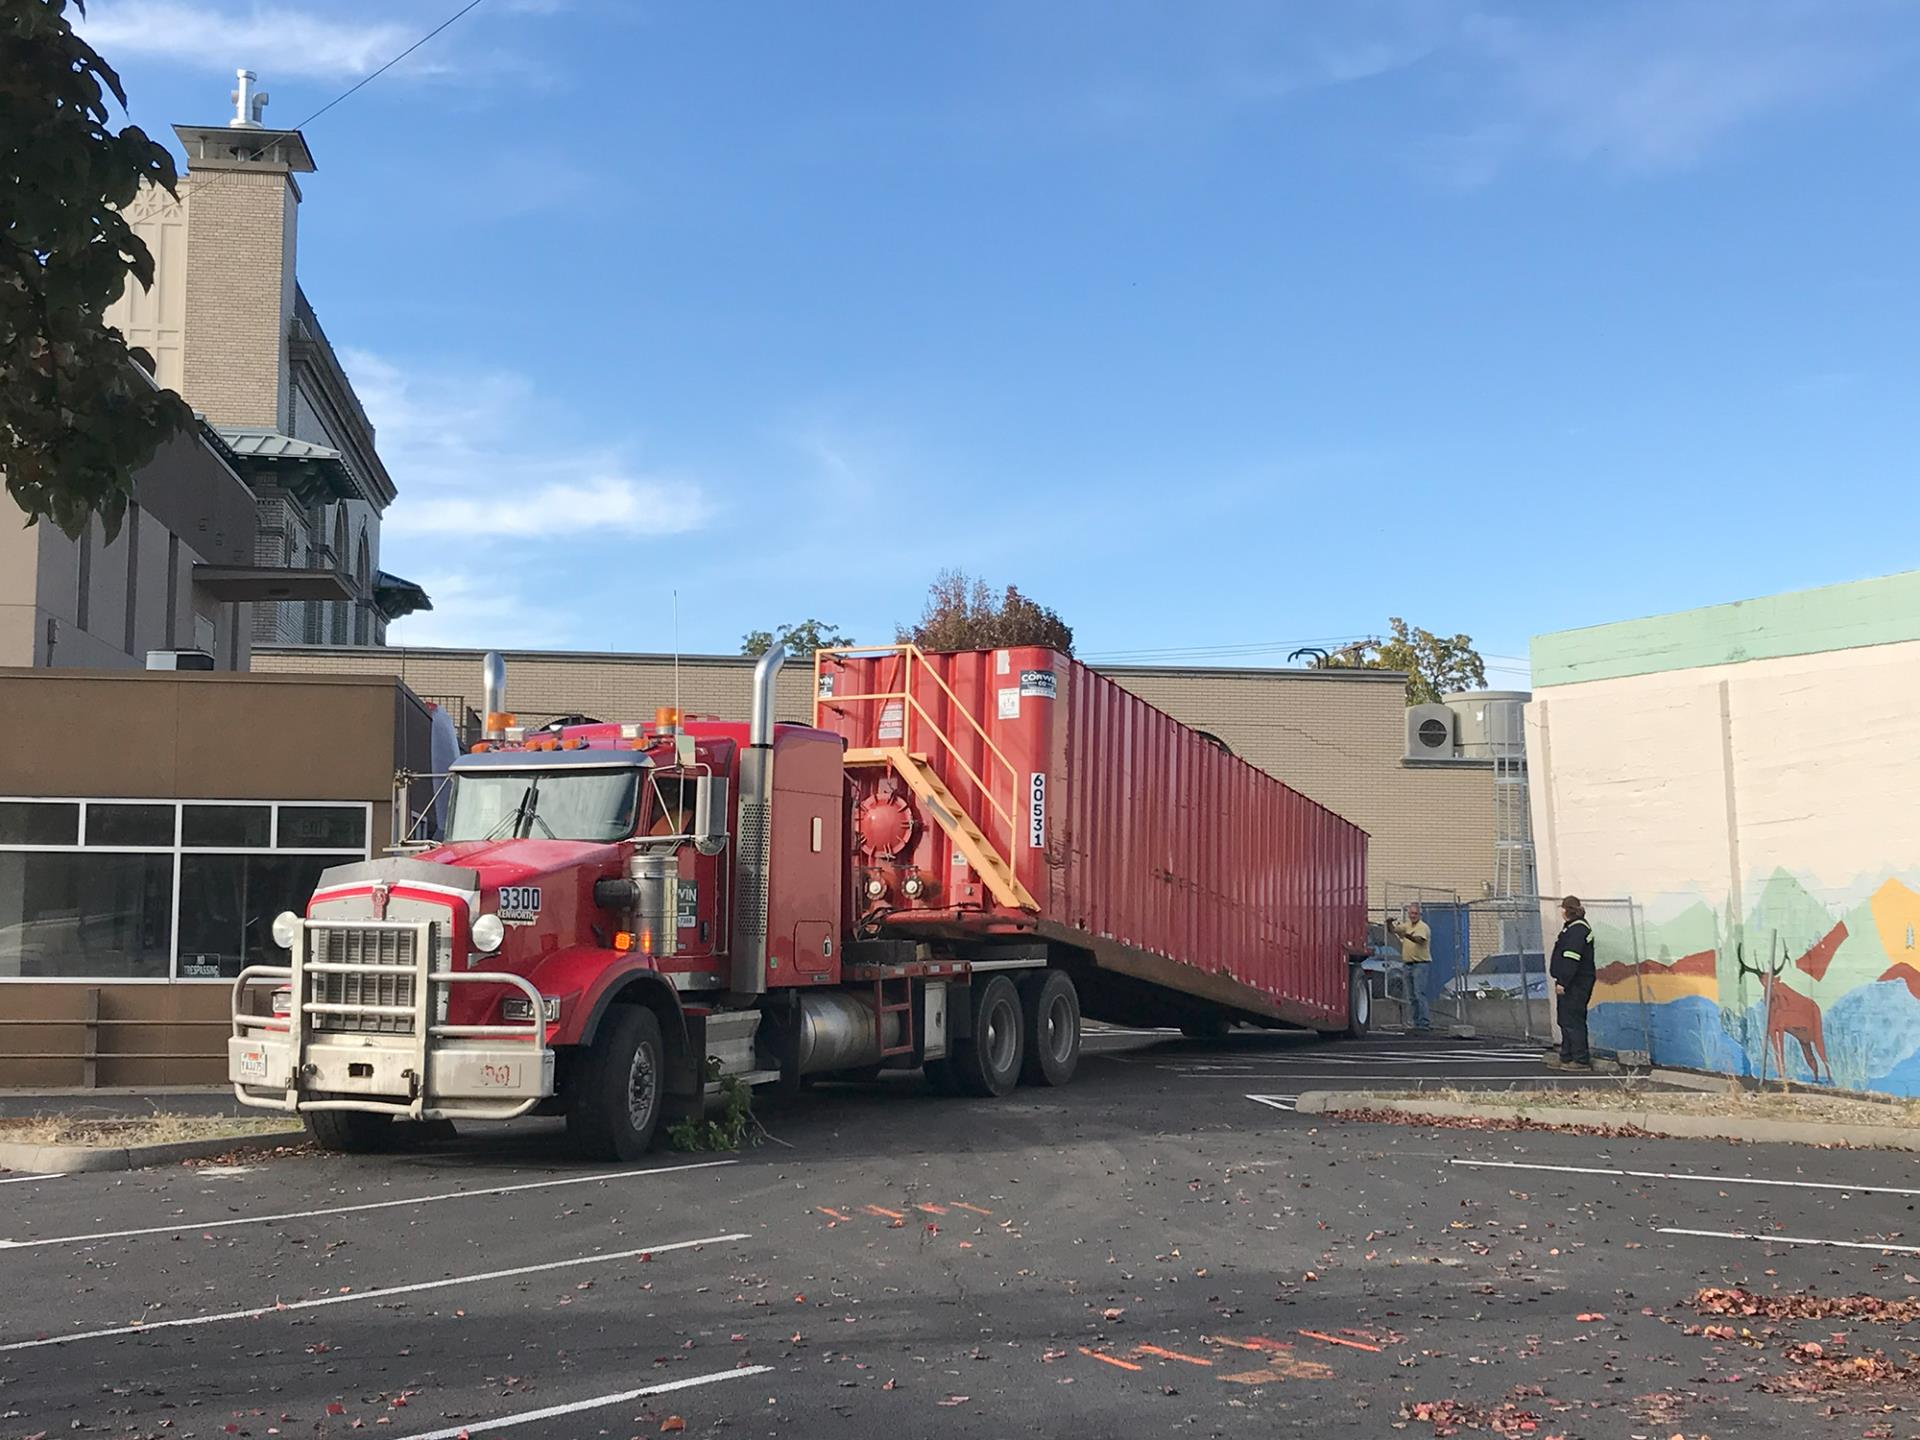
(383, 947)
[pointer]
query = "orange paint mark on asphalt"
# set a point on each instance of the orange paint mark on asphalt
(1118, 1364)
(932, 1209)
(832, 1214)
(1336, 1340)
(1171, 1355)
(885, 1213)
(962, 1205)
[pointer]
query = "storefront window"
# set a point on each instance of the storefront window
(226, 827)
(323, 827)
(227, 905)
(78, 914)
(144, 825)
(101, 905)
(39, 822)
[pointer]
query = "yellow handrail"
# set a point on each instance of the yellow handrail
(905, 695)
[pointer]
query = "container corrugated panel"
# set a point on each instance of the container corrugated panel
(1141, 841)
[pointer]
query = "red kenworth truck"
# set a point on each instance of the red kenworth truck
(963, 855)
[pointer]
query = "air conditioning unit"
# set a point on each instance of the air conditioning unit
(179, 660)
(1430, 732)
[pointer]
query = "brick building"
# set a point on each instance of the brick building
(1337, 736)
(232, 331)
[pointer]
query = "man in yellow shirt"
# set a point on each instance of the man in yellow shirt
(1416, 953)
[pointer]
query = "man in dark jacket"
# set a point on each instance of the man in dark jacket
(1571, 967)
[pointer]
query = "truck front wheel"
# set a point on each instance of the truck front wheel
(619, 1087)
(988, 1062)
(351, 1132)
(1052, 1031)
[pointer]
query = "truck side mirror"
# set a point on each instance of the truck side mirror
(710, 814)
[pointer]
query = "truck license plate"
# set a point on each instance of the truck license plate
(253, 1064)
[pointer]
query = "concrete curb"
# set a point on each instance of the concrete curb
(1654, 1122)
(88, 1159)
(1692, 1080)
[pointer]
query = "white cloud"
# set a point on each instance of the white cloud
(498, 490)
(473, 455)
(602, 504)
(476, 609)
(1654, 86)
(272, 39)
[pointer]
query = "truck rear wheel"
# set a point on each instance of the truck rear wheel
(988, 1062)
(1359, 1002)
(1051, 1033)
(351, 1132)
(619, 1087)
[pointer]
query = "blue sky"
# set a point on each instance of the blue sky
(1219, 327)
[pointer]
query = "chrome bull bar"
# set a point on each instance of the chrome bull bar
(445, 1071)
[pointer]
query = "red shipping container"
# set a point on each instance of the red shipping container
(1170, 863)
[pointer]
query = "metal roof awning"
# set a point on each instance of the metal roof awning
(315, 473)
(269, 582)
(394, 596)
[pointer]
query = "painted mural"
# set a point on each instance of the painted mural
(1795, 988)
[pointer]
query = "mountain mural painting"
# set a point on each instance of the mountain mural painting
(1789, 990)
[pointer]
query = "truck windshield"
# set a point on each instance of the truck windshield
(551, 804)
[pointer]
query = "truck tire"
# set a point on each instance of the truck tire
(1051, 1031)
(1359, 1003)
(619, 1088)
(988, 1062)
(351, 1132)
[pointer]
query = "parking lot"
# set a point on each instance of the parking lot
(1162, 1245)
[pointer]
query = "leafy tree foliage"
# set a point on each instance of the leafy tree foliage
(77, 419)
(963, 614)
(801, 639)
(1435, 665)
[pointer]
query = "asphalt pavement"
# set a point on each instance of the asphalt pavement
(1163, 1245)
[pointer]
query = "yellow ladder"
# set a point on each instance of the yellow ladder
(967, 837)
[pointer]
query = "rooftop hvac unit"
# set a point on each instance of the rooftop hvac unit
(179, 660)
(1430, 732)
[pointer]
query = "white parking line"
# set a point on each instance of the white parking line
(1697, 1179)
(180, 1225)
(387, 1292)
(1221, 1072)
(1278, 1102)
(529, 1417)
(1791, 1240)
(23, 1179)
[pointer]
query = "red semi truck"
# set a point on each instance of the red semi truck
(963, 855)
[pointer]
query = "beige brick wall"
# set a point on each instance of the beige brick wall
(240, 227)
(1337, 739)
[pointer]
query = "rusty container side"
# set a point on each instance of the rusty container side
(1142, 843)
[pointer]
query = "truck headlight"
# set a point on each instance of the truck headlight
(518, 1007)
(285, 929)
(488, 933)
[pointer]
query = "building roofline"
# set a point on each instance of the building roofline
(601, 657)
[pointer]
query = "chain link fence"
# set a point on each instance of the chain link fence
(1489, 968)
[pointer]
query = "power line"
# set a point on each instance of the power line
(361, 84)
(214, 179)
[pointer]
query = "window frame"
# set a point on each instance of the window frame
(175, 853)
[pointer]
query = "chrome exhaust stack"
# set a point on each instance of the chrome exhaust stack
(753, 852)
(493, 685)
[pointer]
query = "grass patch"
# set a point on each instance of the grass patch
(97, 1132)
